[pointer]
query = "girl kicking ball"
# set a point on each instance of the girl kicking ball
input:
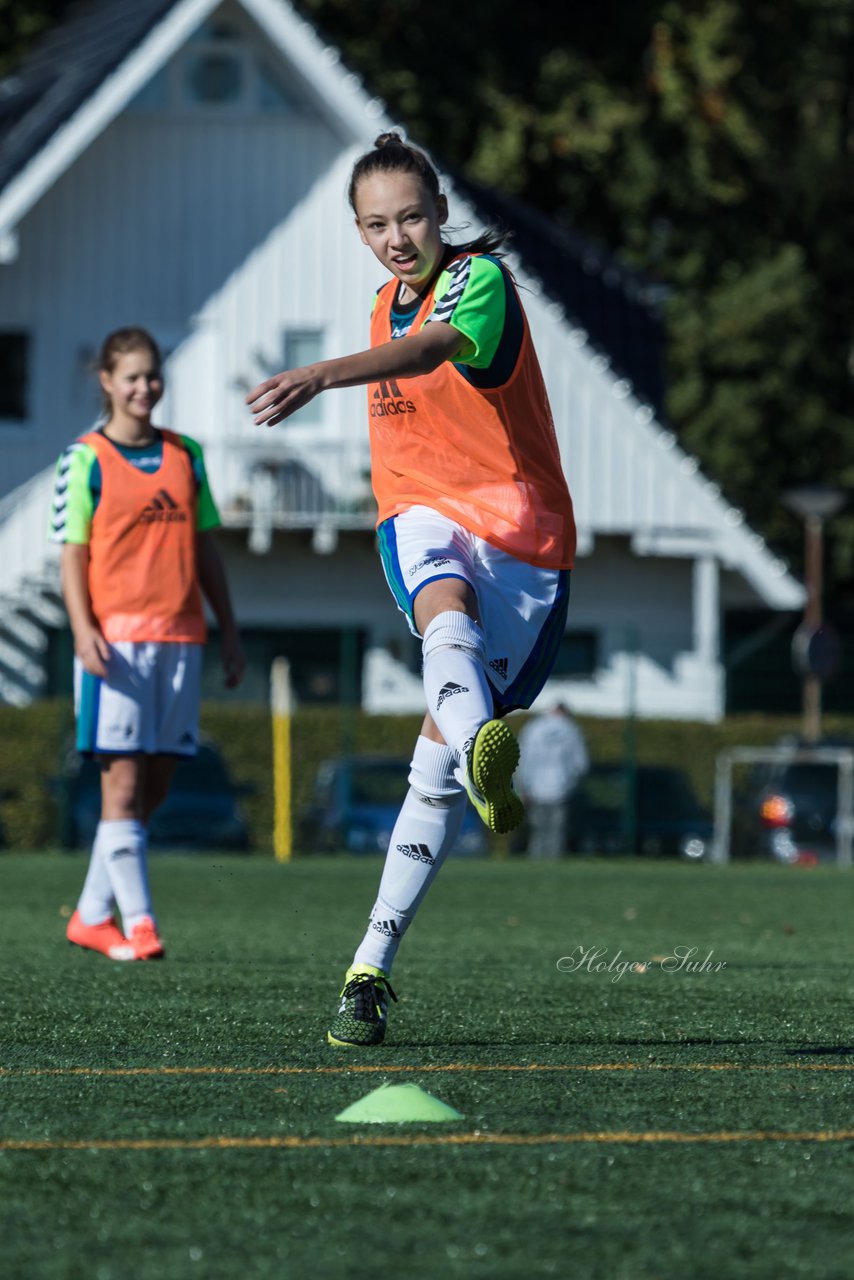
(476, 530)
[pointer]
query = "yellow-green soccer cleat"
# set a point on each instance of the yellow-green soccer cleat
(362, 1009)
(490, 764)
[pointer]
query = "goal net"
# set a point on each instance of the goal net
(842, 758)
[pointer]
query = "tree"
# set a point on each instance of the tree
(710, 145)
(21, 22)
(706, 142)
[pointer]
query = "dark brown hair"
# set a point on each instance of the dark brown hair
(392, 155)
(119, 343)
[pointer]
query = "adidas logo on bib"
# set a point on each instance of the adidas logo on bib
(163, 508)
(387, 401)
(499, 666)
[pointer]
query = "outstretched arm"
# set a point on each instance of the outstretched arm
(418, 353)
(214, 584)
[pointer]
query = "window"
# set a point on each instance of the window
(326, 664)
(304, 346)
(219, 70)
(576, 655)
(214, 79)
(14, 369)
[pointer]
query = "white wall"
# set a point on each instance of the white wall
(640, 610)
(149, 225)
(293, 586)
(219, 234)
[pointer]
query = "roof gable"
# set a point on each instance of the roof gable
(87, 70)
(618, 307)
(64, 70)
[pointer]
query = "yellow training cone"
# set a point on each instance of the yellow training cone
(398, 1104)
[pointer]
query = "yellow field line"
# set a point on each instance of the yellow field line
(362, 1068)
(429, 1140)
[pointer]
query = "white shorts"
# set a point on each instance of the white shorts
(522, 607)
(148, 701)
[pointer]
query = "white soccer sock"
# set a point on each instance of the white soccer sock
(97, 900)
(459, 698)
(427, 826)
(124, 852)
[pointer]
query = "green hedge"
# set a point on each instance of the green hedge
(33, 741)
(244, 735)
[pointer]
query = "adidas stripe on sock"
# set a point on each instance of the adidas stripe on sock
(459, 698)
(425, 831)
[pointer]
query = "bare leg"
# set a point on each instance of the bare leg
(159, 772)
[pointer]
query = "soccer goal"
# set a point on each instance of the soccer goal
(727, 761)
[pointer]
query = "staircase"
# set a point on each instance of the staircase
(30, 597)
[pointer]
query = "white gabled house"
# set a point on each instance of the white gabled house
(183, 165)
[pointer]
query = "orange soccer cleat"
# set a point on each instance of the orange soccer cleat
(145, 941)
(105, 937)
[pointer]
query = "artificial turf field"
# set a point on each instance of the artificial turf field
(177, 1118)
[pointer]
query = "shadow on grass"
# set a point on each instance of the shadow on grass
(659, 1043)
(823, 1050)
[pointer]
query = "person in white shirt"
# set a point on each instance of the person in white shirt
(553, 757)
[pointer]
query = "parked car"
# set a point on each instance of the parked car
(200, 812)
(786, 810)
(355, 806)
(665, 820)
